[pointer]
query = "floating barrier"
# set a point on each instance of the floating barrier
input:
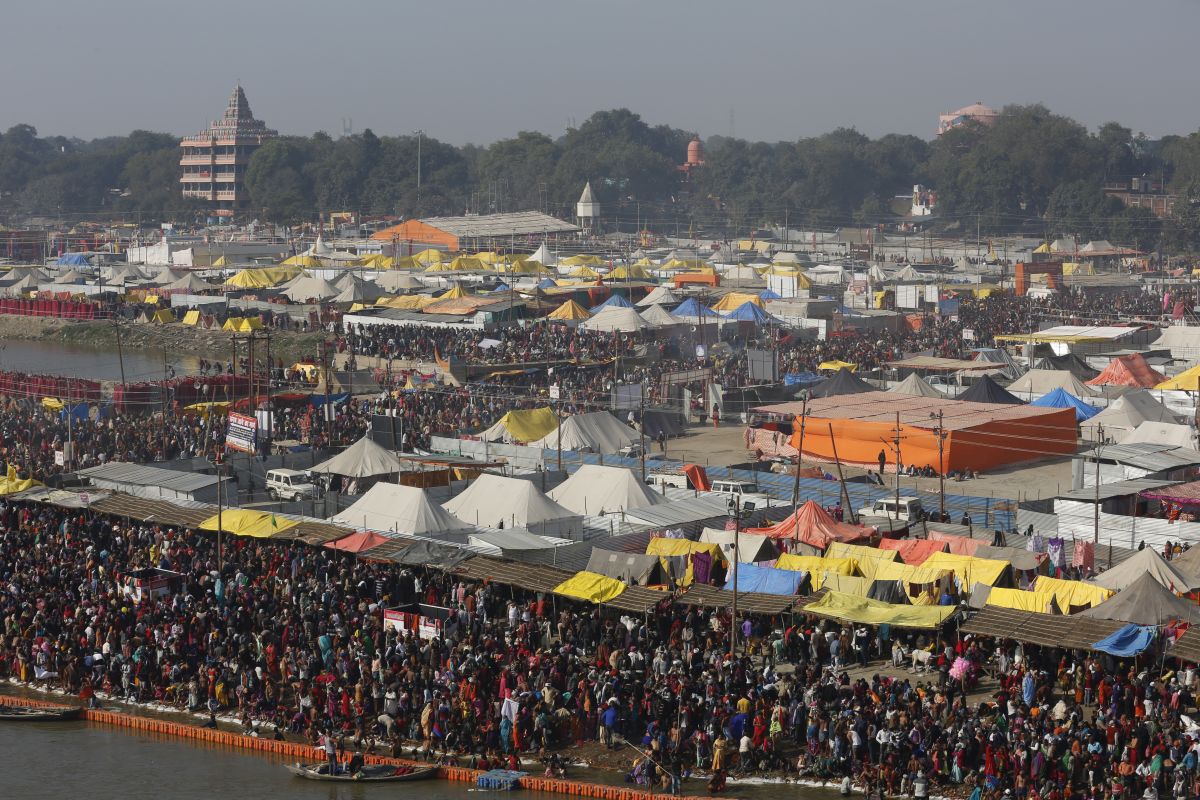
(504, 780)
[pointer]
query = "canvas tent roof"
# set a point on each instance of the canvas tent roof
(1162, 433)
(751, 547)
(1128, 370)
(398, 281)
(916, 386)
(1145, 602)
(399, 509)
(692, 310)
(362, 459)
(522, 426)
(594, 432)
(1004, 362)
(569, 311)
(659, 295)
(813, 525)
(659, 317)
(841, 382)
(1043, 381)
(543, 256)
(1183, 341)
(1069, 362)
(494, 501)
(70, 276)
(1145, 561)
(637, 569)
(307, 287)
(986, 390)
(1125, 413)
(615, 318)
(190, 282)
(357, 290)
(1061, 398)
(594, 489)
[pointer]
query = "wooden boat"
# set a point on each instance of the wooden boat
(370, 773)
(32, 714)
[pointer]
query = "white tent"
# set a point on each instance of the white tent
(1140, 563)
(190, 282)
(395, 281)
(876, 274)
(23, 272)
(122, 274)
(1004, 362)
(908, 274)
(494, 501)
(594, 489)
(1183, 341)
(751, 546)
(741, 274)
(916, 386)
(362, 459)
(593, 432)
(70, 276)
(1124, 415)
(399, 509)
(24, 284)
(1038, 382)
(827, 275)
(357, 290)
(661, 295)
(615, 318)
(308, 288)
(544, 257)
(659, 317)
(1162, 433)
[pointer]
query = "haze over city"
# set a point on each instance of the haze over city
(477, 72)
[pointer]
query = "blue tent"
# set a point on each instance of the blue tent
(1128, 641)
(73, 260)
(693, 308)
(616, 300)
(768, 294)
(748, 312)
(1061, 398)
(802, 378)
(502, 287)
(767, 580)
(547, 283)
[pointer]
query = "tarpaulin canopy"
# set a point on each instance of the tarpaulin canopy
(1128, 370)
(1071, 596)
(1061, 398)
(919, 575)
(848, 608)
(968, 569)
(735, 300)
(663, 546)
(632, 568)
(986, 390)
(245, 522)
(767, 580)
(913, 551)
(614, 319)
(432, 554)
(591, 587)
(836, 365)
(847, 584)
(1146, 602)
(569, 311)
(868, 558)
(616, 301)
(842, 382)
(362, 459)
(1128, 641)
(264, 277)
(691, 309)
(1069, 362)
(816, 566)
(1186, 381)
(751, 547)
(1041, 602)
(357, 542)
(522, 426)
(813, 525)
(13, 484)
(1143, 562)
(750, 312)
(1043, 381)
(1186, 494)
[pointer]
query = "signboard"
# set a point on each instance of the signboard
(422, 624)
(968, 334)
(555, 392)
(241, 433)
(762, 366)
(908, 296)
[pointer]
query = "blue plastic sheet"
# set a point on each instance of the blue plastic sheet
(767, 580)
(1128, 641)
(1061, 398)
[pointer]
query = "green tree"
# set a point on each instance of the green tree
(277, 182)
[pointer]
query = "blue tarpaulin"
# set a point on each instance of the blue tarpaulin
(749, 312)
(73, 260)
(502, 287)
(769, 294)
(1061, 398)
(1129, 641)
(767, 580)
(318, 400)
(615, 300)
(547, 283)
(692, 308)
(802, 378)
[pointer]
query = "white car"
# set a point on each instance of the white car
(744, 491)
(289, 484)
(909, 509)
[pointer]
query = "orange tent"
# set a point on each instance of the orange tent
(956, 545)
(913, 551)
(416, 232)
(814, 526)
(357, 542)
(1130, 370)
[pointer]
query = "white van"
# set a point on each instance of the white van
(909, 510)
(289, 484)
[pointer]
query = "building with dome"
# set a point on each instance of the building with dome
(976, 112)
(695, 156)
(214, 162)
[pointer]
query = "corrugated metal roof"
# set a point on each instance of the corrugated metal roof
(145, 475)
(681, 512)
(1147, 456)
(517, 223)
(1107, 491)
(1053, 630)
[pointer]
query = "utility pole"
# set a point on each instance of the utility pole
(841, 477)
(799, 456)
(735, 510)
(70, 454)
(162, 405)
(270, 411)
(120, 359)
(641, 427)
(896, 440)
(940, 432)
(250, 374)
(1096, 512)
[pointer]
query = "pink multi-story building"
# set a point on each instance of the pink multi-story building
(214, 162)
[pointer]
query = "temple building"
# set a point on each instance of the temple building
(214, 162)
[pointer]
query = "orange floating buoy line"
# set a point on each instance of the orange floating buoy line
(301, 750)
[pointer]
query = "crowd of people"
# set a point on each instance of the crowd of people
(291, 640)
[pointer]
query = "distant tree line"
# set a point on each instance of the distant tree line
(1031, 171)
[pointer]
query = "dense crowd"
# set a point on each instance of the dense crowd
(291, 640)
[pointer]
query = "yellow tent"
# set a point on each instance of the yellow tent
(221, 262)
(1186, 381)
(1021, 600)
(836, 365)
(250, 324)
(244, 522)
(848, 584)
(52, 404)
(644, 262)
(430, 256)
(232, 325)
(465, 263)
(1072, 595)
(583, 271)
(970, 570)
(192, 317)
(868, 558)
(634, 272)
(666, 548)
(204, 409)
(1044, 247)
(306, 262)
(582, 261)
(735, 299)
(264, 277)
(908, 573)
(489, 257)
(816, 566)
(848, 608)
(569, 310)
(163, 317)
(526, 426)
(590, 586)
(408, 301)
(13, 484)
(526, 267)
(1073, 268)
(457, 293)
(439, 266)
(692, 264)
(150, 299)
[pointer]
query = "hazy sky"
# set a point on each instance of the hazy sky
(480, 71)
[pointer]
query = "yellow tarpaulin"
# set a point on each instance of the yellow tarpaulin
(192, 317)
(163, 317)
(848, 608)
(244, 522)
(1072, 594)
(583, 272)
(310, 262)
(457, 293)
(430, 256)
(836, 365)
(1186, 381)
(150, 299)
(570, 310)
(13, 484)
(847, 584)
(816, 566)
(591, 586)
(1021, 600)
(582, 261)
(666, 548)
(531, 425)
(204, 409)
(635, 272)
(868, 558)
(263, 277)
(970, 570)
(734, 300)
(466, 263)
(52, 404)
(232, 325)
(908, 573)
(249, 324)
(407, 301)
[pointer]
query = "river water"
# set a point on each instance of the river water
(56, 358)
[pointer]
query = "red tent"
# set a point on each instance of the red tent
(913, 551)
(1130, 370)
(357, 542)
(814, 526)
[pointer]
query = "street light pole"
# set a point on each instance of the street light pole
(940, 431)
